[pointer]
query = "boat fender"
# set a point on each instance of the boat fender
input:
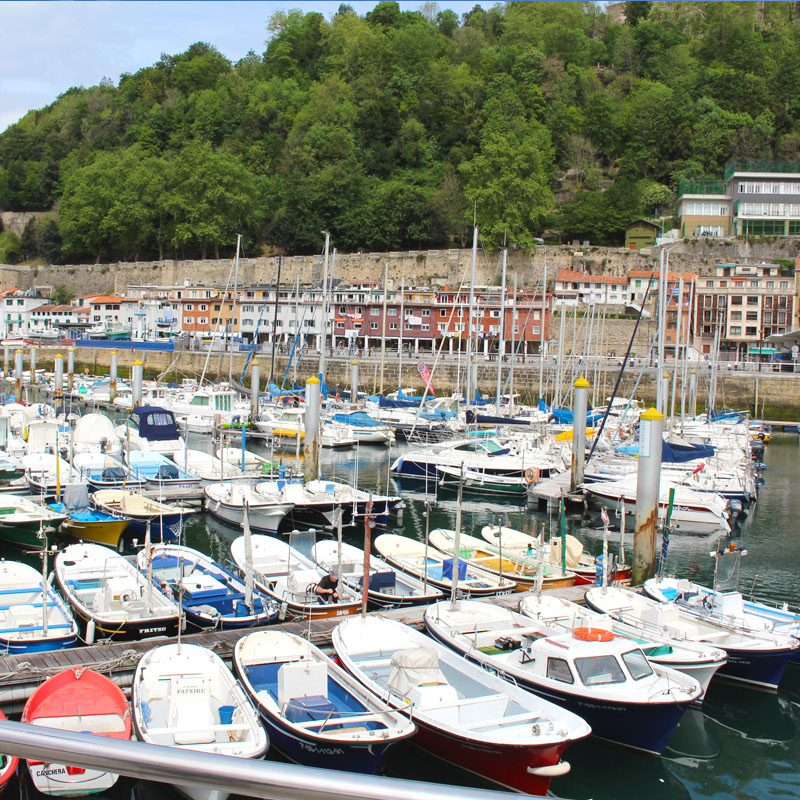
(593, 635)
(90, 630)
(531, 475)
(551, 770)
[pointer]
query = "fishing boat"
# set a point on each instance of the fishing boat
(692, 512)
(184, 696)
(356, 504)
(582, 564)
(159, 471)
(8, 766)
(464, 714)
(95, 433)
(289, 577)
(212, 595)
(82, 701)
(433, 566)
(254, 464)
(309, 509)
(226, 502)
(388, 587)
(478, 482)
(698, 660)
(87, 523)
(288, 428)
(316, 713)
(165, 520)
(47, 474)
(520, 568)
(11, 469)
(101, 471)
(210, 469)
(151, 428)
(758, 659)
(24, 522)
(603, 678)
(33, 617)
(110, 598)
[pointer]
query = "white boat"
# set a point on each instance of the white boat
(254, 464)
(101, 471)
(604, 678)
(692, 512)
(184, 696)
(430, 564)
(388, 587)
(110, 598)
(464, 714)
(47, 473)
(211, 469)
(96, 433)
(758, 659)
(25, 522)
(316, 713)
(289, 428)
(226, 501)
(366, 430)
(151, 428)
(289, 577)
(698, 660)
(33, 616)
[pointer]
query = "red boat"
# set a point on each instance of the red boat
(81, 701)
(8, 766)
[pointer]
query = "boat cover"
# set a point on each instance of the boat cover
(414, 667)
(156, 424)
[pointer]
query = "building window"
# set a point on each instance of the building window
(752, 316)
(751, 331)
(342, 309)
(735, 315)
(736, 300)
(782, 302)
(767, 302)
(393, 312)
(425, 326)
(374, 312)
(442, 312)
(441, 327)
(784, 284)
(189, 307)
(426, 312)
(203, 307)
(392, 326)
(736, 330)
(767, 317)
(781, 317)
(373, 326)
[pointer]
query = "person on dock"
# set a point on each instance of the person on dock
(328, 588)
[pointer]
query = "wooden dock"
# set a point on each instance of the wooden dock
(21, 674)
(551, 490)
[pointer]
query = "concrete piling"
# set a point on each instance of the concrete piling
(580, 399)
(311, 442)
(651, 425)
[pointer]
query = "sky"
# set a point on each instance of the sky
(49, 47)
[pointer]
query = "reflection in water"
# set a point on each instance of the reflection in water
(693, 741)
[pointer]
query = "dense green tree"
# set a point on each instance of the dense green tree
(49, 241)
(61, 295)
(28, 240)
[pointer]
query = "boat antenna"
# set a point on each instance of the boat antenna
(43, 537)
(457, 541)
(148, 549)
(248, 556)
(369, 523)
(180, 601)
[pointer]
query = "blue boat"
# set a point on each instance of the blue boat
(315, 712)
(213, 596)
(101, 471)
(160, 471)
(25, 606)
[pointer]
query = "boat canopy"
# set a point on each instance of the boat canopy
(155, 424)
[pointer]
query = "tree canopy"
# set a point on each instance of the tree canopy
(395, 128)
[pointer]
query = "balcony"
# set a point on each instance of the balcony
(701, 186)
(761, 166)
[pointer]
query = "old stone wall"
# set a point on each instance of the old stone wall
(17, 220)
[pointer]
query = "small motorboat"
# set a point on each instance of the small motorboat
(602, 677)
(210, 469)
(110, 598)
(82, 701)
(33, 617)
(521, 568)
(226, 501)
(356, 504)
(254, 464)
(316, 713)
(698, 660)
(24, 522)
(160, 471)
(102, 471)
(151, 428)
(755, 658)
(8, 766)
(309, 508)
(388, 587)
(365, 429)
(184, 696)
(165, 520)
(289, 577)
(431, 565)
(95, 433)
(463, 713)
(582, 564)
(47, 473)
(87, 523)
(213, 596)
(476, 481)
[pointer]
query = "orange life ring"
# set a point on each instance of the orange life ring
(593, 635)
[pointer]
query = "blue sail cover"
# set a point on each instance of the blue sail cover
(674, 453)
(155, 424)
(563, 416)
(385, 402)
(358, 419)
(276, 391)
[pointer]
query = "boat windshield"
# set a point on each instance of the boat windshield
(637, 664)
(599, 670)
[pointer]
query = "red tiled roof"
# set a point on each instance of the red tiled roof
(570, 275)
(102, 298)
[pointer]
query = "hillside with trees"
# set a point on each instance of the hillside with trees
(392, 129)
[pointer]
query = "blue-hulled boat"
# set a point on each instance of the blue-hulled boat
(315, 712)
(213, 596)
(25, 606)
(160, 471)
(102, 471)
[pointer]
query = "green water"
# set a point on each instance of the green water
(743, 744)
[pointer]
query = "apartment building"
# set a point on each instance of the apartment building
(579, 288)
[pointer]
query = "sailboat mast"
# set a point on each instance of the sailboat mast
(541, 325)
(501, 345)
(402, 328)
(470, 387)
(513, 349)
(275, 321)
(233, 307)
(675, 361)
(324, 309)
(383, 336)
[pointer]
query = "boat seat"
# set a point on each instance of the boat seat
(190, 711)
(167, 472)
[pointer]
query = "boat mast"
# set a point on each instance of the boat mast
(513, 350)
(248, 555)
(470, 387)
(324, 309)
(675, 360)
(402, 327)
(235, 298)
(456, 541)
(297, 323)
(383, 336)
(501, 344)
(275, 322)
(541, 324)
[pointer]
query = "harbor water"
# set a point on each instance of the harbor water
(744, 743)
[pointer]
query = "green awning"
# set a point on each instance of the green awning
(764, 351)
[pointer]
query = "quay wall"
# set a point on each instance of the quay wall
(424, 267)
(777, 392)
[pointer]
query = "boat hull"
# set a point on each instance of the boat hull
(260, 519)
(102, 532)
(25, 534)
(757, 668)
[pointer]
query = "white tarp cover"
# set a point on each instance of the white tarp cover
(415, 667)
